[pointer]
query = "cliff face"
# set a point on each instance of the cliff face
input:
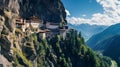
(16, 46)
(50, 10)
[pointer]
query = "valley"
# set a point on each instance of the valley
(107, 42)
(37, 33)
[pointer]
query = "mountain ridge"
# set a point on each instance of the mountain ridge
(88, 30)
(110, 47)
(109, 32)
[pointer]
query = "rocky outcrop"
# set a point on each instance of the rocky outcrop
(5, 62)
(50, 10)
(17, 47)
(2, 20)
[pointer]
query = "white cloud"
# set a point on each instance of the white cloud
(110, 16)
(67, 12)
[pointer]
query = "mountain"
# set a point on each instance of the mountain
(113, 50)
(103, 45)
(109, 32)
(41, 46)
(88, 30)
(110, 47)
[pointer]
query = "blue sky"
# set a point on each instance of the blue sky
(93, 12)
(78, 8)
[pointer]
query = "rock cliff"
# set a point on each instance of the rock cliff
(16, 45)
(50, 10)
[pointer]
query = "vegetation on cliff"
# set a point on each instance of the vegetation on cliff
(69, 51)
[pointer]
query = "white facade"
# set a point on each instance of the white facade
(51, 26)
(35, 25)
(23, 24)
(63, 32)
(23, 28)
(19, 21)
(27, 25)
(43, 35)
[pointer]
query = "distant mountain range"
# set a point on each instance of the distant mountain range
(88, 30)
(107, 33)
(107, 42)
(110, 47)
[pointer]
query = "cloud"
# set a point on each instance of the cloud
(110, 16)
(67, 12)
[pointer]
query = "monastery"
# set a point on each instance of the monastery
(46, 30)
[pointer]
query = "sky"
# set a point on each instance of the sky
(93, 12)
